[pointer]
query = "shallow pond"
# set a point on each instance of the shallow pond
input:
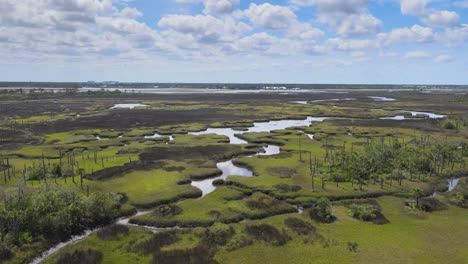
(156, 135)
(228, 132)
(270, 150)
(259, 127)
(414, 114)
(334, 100)
(128, 106)
(283, 124)
(382, 99)
(228, 169)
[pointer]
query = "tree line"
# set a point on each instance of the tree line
(391, 161)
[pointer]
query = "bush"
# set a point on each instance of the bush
(257, 205)
(352, 246)
(217, 236)
(200, 254)
(449, 125)
(363, 212)
(218, 182)
(5, 252)
(267, 233)
(323, 211)
(155, 243)
(167, 210)
(240, 242)
(112, 232)
(80, 256)
(430, 204)
(299, 226)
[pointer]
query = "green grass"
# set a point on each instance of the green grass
(225, 204)
(145, 188)
(438, 238)
(114, 251)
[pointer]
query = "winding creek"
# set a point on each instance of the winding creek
(414, 114)
(206, 186)
(227, 168)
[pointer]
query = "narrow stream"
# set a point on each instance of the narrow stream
(414, 114)
(452, 184)
(206, 186)
(259, 127)
(128, 106)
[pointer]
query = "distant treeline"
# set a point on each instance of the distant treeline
(245, 86)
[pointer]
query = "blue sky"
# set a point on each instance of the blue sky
(291, 41)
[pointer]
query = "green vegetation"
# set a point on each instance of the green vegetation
(68, 165)
(49, 216)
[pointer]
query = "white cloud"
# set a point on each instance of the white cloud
(215, 7)
(413, 7)
(350, 45)
(274, 17)
(418, 54)
(454, 36)
(443, 59)
(220, 6)
(432, 17)
(204, 28)
(347, 18)
(415, 34)
(270, 16)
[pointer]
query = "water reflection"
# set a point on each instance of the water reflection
(228, 169)
(127, 106)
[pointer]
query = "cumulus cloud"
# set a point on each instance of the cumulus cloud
(112, 28)
(414, 34)
(282, 18)
(215, 7)
(204, 28)
(270, 16)
(347, 18)
(430, 16)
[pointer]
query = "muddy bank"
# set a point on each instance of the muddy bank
(124, 119)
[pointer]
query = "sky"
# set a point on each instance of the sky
(235, 41)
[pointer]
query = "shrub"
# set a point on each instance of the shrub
(218, 182)
(217, 236)
(5, 252)
(167, 210)
(352, 246)
(89, 256)
(257, 205)
(363, 212)
(449, 125)
(323, 211)
(430, 204)
(240, 242)
(199, 254)
(155, 243)
(299, 226)
(112, 232)
(267, 233)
